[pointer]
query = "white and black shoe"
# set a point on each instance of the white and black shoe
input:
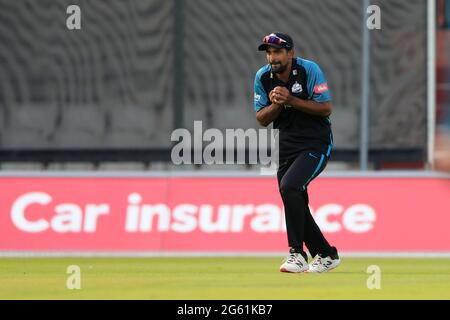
(294, 263)
(323, 263)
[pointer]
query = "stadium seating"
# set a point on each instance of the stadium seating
(81, 127)
(29, 126)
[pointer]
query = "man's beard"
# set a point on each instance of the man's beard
(279, 69)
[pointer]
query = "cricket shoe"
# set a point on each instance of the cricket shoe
(324, 264)
(294, 263)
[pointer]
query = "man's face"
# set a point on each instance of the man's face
(278, 58)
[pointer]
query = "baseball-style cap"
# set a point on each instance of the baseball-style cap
(276, 40)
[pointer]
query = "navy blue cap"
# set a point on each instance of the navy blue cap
(276, 40)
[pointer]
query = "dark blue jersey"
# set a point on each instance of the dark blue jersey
(298, 130)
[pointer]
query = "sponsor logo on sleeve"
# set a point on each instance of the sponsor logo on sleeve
(321, 88)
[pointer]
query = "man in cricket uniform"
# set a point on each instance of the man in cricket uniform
(292, 93)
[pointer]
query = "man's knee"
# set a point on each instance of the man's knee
(288, 188)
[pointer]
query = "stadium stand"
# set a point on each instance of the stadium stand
(110, 87)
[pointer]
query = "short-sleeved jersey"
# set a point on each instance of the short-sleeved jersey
(298, 130)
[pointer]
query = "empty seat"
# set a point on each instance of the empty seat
(131, 127)
(81, 127)
(2, 119)
(345, 127)
(89, 119)
(129, 139)
(14, 138)
(134, 119)
(29, 126)
(33, 117)
(77, 140)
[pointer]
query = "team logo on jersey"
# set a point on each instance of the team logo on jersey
(257, 97)
(297, 88)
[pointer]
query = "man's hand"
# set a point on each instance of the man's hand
(272, 96)
(280, 95)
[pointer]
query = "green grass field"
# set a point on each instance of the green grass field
(219, 278)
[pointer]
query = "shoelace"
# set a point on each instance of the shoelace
(293, 258)
(317, 262)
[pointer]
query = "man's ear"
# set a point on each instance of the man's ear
(291, 53)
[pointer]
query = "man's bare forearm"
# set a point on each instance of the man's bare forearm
(311, 107)
(268, 114)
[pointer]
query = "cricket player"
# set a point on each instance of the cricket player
(292, 93)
